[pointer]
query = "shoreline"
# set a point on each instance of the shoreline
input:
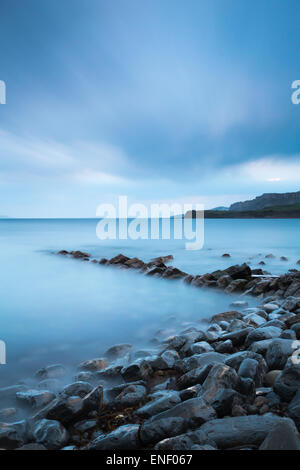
(231, 385)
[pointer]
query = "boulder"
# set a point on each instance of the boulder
(123, 438)
(54, 371)
(35, 398)
(138, 370)
(193, 377)
(50, 434)
(13, 435)
(287, 382)
(117, 351)
(260, 334)
(78, 389)
(284, 436)
(220, 377)
(160, 401)
(131, 395)
(278, 353)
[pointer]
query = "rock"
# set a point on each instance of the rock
(54, 371)
(173, 273)
(224, 281)
(200, 360)
(270, 377)
(283, 258)
(227, 316)
(284, 436)
(162, 259)
(239, 271)
(237, 337)
(152, 432)
(139, 370)
(224, 347)
(184, 441)
(296, 329)
(13, 435)
(163, 362)
(260, 334)
(123, 438)
(226, 255)
(93, 365)
(260, 347)
(85, 425)
(160, 401)
(193, 377)
(288, 334)
(254, 320)
(242, 430)
(200, 347)
(250, 368)
(238, 410)
(236, 359)
(50, 434)
(119, 259)
(62, 409)
(131, 395)
(223, 401)
(191, 392)
(278, 353)
(239, 304)
(35, 398)
(80, 254)
(118, 351)
(287, 382)
(270, 256)
(32, 446)
(236, 286)
(194, 411)
(78, 389)
(220, 377)
(294, 409)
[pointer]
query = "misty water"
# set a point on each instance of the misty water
(54, 309)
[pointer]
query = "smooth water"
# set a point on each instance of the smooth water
(54, 309)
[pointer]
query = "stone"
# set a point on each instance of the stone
(239, 304)
(50, 434)
(194, 411)
(270, 377)
(85, 425)
(123, 438)
(160, 401)
(260, 347)
(78, 389)
(237, 337)
(93, 365)
(263, 333)
(250, 368)
(153, 432)
(242, 430)
(139, 370)
(200, 360)
(118, 351)
(224, 347)
(284, 436)
(62, 409)
(193, 377)
(294, 409)
(239, 271)
(278, 353)
(185, 441)
(220, 377)
(200, 347)
(223, 401)
(13, 435)
(236, 359)
(296, 329)
(227, 316)
(131, 395)
(287, 383)
(35, 398)
(236, 286)
(54, 371)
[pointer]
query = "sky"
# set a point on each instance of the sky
(160, 100)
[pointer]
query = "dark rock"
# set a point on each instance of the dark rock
(270, 377)
(50, 434)
(13, 435)
(239, 431)
(220, 377)
(32, 446)
(200, 360)
(223, 401)
(119, 259)
(51, 372)
(251, 369)
(35, 398)
(78, 389)
(200, 347)
(117, 351)
(227, 316)
(294, 409)
(131, 395)
(184, 441)
(236, 286)
(160, 401)
(93, 365)
(123, 438)
(138, 370)
(194, 377)
(237, 337)
(225, 347)
(263, 333)
(62, 409)
(284, 436)
(239, 271)
(278, 353)
(287, 382)
(260, 347)
(152, 432)
(296, 329)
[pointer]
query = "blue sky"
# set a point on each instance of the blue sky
(160, 100)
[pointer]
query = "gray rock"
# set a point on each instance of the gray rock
(93, 365)
(35, 398)
(237, 337)
(184, 441)
(139, 370)
(224, 347)
(131, 395)
(123, 438)
(278, 353)
(260, 347)
(13, 435)
(287, 383)
(296, 329)
(224, 400)
(62, 409)
(50, 434)
(250, 368)
(242, 430)
(194, 377)
(294, 409)
(284, 436)
(194, 411)
(236, 359)
(160, 401)
(220, 377)
(260, 334)
(54, 371)
(152, 432)
(118, 351)
(201, 360)
(85, 425)
(200, 347)
(78, 389)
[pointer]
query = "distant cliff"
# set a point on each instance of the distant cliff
(267, 200)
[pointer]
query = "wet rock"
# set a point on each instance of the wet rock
(200, 347)
(194, 377)
(162, 259)
(260, 347)
(134, 263)
(254, 320)
(235, 361)
(296, 329)
(236, 286)
(191, 392)
(239, 431)
(79, 389)
(119, 259)
(173, 273)
(85, 425)
(139, 370)
(226, 255)
(152, 432)
(35, 398)
(123, 438)
(118, 351)
(220, 377)
(225, 347)
(200, 360)
(194, 411)
(287, 383)
(54, 371)
(131, 395)
(80, 254)
(163, 362)
(62, 409)
(50, 434)
(270, 377)
(110, 375)
(284, 436)
(250, 368)
(224, 400)
(227, 316)
(294, 409)
(239, 271)
(278, 353)
(93, 365)
(160, 401)
(237, 337)
(184, 441)
(13, 435)
(238, 410)
(224, 281)
(260, 334)
(288, 334)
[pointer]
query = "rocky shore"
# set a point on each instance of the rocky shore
(232, 385)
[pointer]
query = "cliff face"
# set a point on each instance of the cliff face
(267, 200)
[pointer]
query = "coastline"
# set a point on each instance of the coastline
(232, 385)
